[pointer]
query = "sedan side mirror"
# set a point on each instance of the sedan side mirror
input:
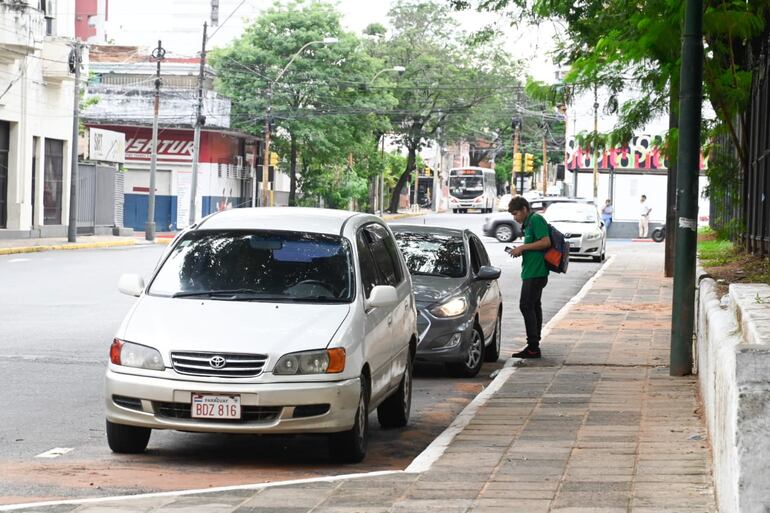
(382, 295)
(131, 285)
(487, 272)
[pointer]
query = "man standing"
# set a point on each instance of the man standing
(607, 215)
(644, 219)
(534, 273)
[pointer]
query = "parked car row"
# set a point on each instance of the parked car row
(296, 321)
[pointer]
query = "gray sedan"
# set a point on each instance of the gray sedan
(458, 299)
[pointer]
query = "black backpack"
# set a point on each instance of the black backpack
(557, 256)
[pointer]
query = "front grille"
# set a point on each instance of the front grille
(248, 413)
(233, 365)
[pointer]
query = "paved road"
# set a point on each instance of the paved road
(58, 312)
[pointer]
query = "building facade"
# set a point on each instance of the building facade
(36, 115)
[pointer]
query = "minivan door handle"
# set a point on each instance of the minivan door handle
(390, 320)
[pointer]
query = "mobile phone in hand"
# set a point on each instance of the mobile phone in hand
(508, 249)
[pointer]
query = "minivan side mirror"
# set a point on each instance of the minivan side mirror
(131, 284)
(487, 272)
(382, 295)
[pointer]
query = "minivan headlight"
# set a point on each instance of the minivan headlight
(326, 361)
(129, 354)
(451, 308)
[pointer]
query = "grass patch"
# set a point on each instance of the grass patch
(716, 252)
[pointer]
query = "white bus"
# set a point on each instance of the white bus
(472, 187)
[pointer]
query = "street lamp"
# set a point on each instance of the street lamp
(398, 69)
(266, 143)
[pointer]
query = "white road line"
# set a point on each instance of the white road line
(54, 453)
(17, 260)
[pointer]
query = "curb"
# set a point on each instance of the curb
(66, 247)
(395, 217)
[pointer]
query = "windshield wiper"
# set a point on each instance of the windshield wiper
(220, 293)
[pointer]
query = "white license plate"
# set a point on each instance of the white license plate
(208, 406)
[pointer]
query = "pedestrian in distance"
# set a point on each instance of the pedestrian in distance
(534, 273)
(607, 211)
(644, 217)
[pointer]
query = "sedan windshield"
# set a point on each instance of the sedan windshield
(258, 266)
(429, 254)
(570, 213)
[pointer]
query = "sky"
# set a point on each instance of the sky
(179, 24)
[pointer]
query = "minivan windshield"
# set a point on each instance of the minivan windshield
(428, 254)
(258, 266)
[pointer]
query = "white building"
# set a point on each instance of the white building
(624, 173)
(36, 113)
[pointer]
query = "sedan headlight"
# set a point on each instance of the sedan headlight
(326, 361)
(129, 354)
(451, 308)
(594, 236)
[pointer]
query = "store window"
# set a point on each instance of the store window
(53, 184)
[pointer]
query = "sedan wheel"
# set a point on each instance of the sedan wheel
(474, 357)
(350, 446)
(504, 233)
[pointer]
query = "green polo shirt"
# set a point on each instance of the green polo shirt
(533, 262)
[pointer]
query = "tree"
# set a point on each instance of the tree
(318, 108)
(446, 78)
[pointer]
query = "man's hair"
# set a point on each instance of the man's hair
(644, 197)
(518, 203)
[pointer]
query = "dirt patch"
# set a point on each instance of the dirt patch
(744, 268)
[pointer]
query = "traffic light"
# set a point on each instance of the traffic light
(273, 159)
(517, 162)
(529, 162)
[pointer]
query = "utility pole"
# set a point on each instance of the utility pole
(596, 144)
(416, 205)
(72, 226)
(690, 97)
(382, 176)
(516, 134)
(149, 226)
(436, 171)
(545, 159)
(265, 155)
(199, 121)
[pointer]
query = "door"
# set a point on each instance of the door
(377, 320)
(5, 139)
(487, 292)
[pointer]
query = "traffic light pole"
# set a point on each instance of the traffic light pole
(690, 97)
(516, 157)
(149, 226)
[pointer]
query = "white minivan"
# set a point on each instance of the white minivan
(267, 320)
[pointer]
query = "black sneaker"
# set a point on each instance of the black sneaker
(527, 352)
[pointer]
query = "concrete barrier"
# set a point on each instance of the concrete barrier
(733, 361)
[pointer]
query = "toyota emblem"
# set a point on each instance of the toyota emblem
(217, 362)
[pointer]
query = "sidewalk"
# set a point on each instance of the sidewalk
(597, 426)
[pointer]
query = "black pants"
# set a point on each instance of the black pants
(532, 309)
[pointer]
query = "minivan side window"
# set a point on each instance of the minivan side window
(385, 253)
(369, 275)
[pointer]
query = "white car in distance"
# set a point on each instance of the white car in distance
(267, 321)
(582, 227)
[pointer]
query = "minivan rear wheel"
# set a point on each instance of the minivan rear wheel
(350, 446)
(127, 439)
(394, 411)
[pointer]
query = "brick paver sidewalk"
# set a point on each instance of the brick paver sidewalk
(597, 426)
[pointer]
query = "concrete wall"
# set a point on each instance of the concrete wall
(733, 360)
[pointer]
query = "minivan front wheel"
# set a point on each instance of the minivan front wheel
(394, 411)
(350, 446)
(127, 439)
